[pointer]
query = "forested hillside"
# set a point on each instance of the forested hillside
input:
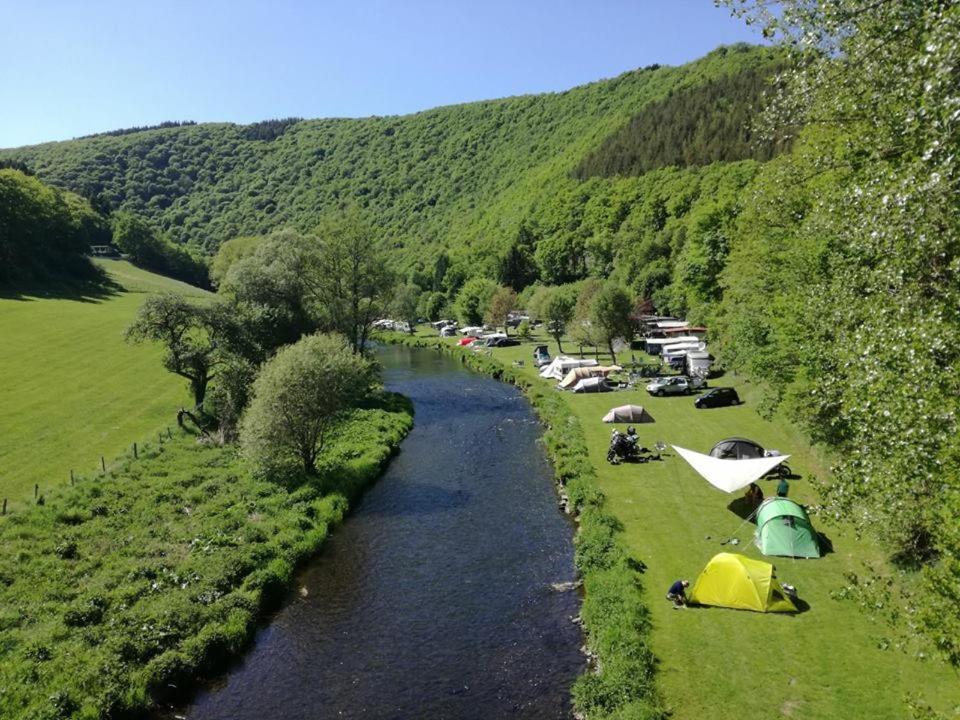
(425, 178)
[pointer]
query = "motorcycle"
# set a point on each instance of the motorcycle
(625, 447)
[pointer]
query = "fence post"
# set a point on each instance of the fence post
(71, 477)
(135, 455)
(36, 490)
(4, 506)
(103, 464)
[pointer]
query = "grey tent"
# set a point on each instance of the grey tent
(628, 414)
(736, 448)
(592, 385)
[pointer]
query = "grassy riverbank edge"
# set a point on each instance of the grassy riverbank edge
(128, 587)
(621, 679)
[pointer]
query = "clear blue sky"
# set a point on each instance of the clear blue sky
(76, 67)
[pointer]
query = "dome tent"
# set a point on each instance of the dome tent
(736, 448)
(736, 581)
(628, 414)
(783, 528)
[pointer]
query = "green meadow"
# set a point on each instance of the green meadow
(830, 661)
(72, 389)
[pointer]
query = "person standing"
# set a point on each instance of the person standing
(783, 487)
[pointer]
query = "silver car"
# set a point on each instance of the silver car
(676, 385)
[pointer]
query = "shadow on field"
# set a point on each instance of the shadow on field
(93, 290)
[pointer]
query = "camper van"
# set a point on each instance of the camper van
(698, 363)
(655, 345)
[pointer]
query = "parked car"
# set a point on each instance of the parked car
(717, 397)
(675, 385)
(503, 342)
(541, 356)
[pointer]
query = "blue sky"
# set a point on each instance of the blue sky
(72, 68)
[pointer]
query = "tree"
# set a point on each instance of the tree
(610, 311)
(517, 267)
(502, 303)
(188, 333)
(473, 299)
(557, 312)
(299, 397)
(352, 281)
(405, 305)
(431, 304)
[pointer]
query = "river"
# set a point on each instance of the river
(434, 598)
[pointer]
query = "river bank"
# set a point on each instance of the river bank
(126, 586)
(621, 678)
(837, 659)
(447, 593)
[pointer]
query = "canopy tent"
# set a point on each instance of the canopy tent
(562, 364)
(735, 581)
(784, 528)
(736, 448)
(578, 373)
(628, 414)
(729, 475)
(592, 385)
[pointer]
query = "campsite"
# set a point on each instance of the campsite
(675, 522)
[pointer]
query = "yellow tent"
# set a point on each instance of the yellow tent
(578, 374)
(735, 581)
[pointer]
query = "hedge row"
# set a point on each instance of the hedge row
(620, 682)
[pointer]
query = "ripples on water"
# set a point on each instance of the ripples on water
(433, 600)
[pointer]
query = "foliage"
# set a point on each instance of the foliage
(350, 280)
(159, 570)
(405, 304)
(299, 398)
(872, 99)
(45, 232)
(697, 125)
(502, 303)
(230, 252)
(189, 334)
(473, 300)
(147, 249)
(611, 308)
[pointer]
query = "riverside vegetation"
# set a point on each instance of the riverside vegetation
(823, 259)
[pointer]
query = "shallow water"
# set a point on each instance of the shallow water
(434, 598)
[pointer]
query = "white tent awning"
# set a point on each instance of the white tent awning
(729, 475)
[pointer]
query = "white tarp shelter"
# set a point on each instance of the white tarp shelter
(729, 475)
(577, 374)
(562, 364)
(628, 414)
(592, 385)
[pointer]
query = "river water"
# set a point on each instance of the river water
(434, 598)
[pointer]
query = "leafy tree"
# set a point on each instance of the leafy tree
(146, 248)
(610, 315)
(517, 267)
(230, 252)
(502, 303)
(299, 397)
(431, 305)
(406, 304)
(351, 283)
(473, 299)
(557, 313)
(189, 335)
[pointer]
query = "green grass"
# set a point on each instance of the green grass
(73, 390)
(824, 663)
(138, 579)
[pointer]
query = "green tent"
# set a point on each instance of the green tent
(783, 528)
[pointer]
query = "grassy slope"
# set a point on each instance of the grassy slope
(73, 389)
(824, 663)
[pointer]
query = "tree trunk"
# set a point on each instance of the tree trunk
(199, 387)
(613, 356)
(559, 347)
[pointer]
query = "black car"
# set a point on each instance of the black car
(718, 397)
(503, 342)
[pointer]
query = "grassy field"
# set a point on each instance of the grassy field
(826, 662)
(72, 389)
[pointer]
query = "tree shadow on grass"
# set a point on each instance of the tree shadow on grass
(94, 289)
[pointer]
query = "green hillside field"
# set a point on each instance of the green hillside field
(73, 390)
(831, 661)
